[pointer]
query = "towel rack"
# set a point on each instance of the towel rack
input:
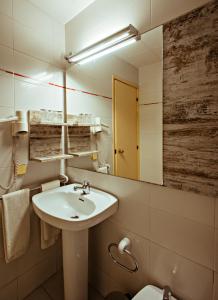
(126, 251)
(33, 189)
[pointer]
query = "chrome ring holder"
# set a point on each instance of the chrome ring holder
(124, 251)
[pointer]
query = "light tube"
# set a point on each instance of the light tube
(99, 48)
(108, 50)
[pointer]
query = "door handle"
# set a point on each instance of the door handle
(121, 151)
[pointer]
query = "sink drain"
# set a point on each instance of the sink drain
(74, 217)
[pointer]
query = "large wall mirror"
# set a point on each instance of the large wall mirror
(121, 95)
(173, 73)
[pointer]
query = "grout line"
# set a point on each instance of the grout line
(47, 293)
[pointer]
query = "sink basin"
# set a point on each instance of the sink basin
(67, 209)
(74, 213)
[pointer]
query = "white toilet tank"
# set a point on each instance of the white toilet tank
(150, 292)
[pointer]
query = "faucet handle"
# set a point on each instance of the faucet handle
(167, 293)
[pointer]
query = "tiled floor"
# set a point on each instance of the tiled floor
(52, 289)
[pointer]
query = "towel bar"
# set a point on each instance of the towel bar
(33, 189)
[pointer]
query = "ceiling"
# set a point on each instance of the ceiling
(64, 10)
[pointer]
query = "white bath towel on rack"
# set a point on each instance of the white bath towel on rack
(15, 223)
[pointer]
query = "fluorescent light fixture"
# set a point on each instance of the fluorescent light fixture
(110, 44)
(108, 50)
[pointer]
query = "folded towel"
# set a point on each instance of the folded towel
(15, 223)
(49, 234)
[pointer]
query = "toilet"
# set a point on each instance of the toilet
(150, 292)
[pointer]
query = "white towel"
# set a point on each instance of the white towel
(15, 223)
(49, 234)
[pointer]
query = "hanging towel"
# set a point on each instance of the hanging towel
(15, 223)
(49, 233)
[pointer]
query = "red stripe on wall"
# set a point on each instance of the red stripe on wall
(54, 84)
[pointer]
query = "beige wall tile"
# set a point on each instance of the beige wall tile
(9, 292)
(30, 16)
(54, 287)
(32, 42)
(188, 280)
(102, 282)
(8, 272)
(6, 7)
(6, 31)
(6, 111)
(7, 89)
(37, 172)
(58, 42)
(38, 294)
(183, 204)
(35, 277)
(215, 288)
(189, 239)
(6, 58)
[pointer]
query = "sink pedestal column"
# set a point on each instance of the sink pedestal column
(75, 264)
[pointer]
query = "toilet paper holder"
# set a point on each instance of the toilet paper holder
(122, 248)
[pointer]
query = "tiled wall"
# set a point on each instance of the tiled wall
(33, 44)
(174, 236)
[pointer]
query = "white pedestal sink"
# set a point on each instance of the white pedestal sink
(74, 213)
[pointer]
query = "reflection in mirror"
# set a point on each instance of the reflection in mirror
(121, 96)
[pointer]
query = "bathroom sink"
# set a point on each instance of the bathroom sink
(67, 209)
(74, 213)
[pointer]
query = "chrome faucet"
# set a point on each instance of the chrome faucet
(167, 293)
(85, 187)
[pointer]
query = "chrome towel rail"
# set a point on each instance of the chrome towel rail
(125, 251)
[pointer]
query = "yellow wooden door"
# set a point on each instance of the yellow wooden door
(125, 122)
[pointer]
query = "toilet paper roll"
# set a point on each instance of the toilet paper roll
(50, 185)
(123, 245)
